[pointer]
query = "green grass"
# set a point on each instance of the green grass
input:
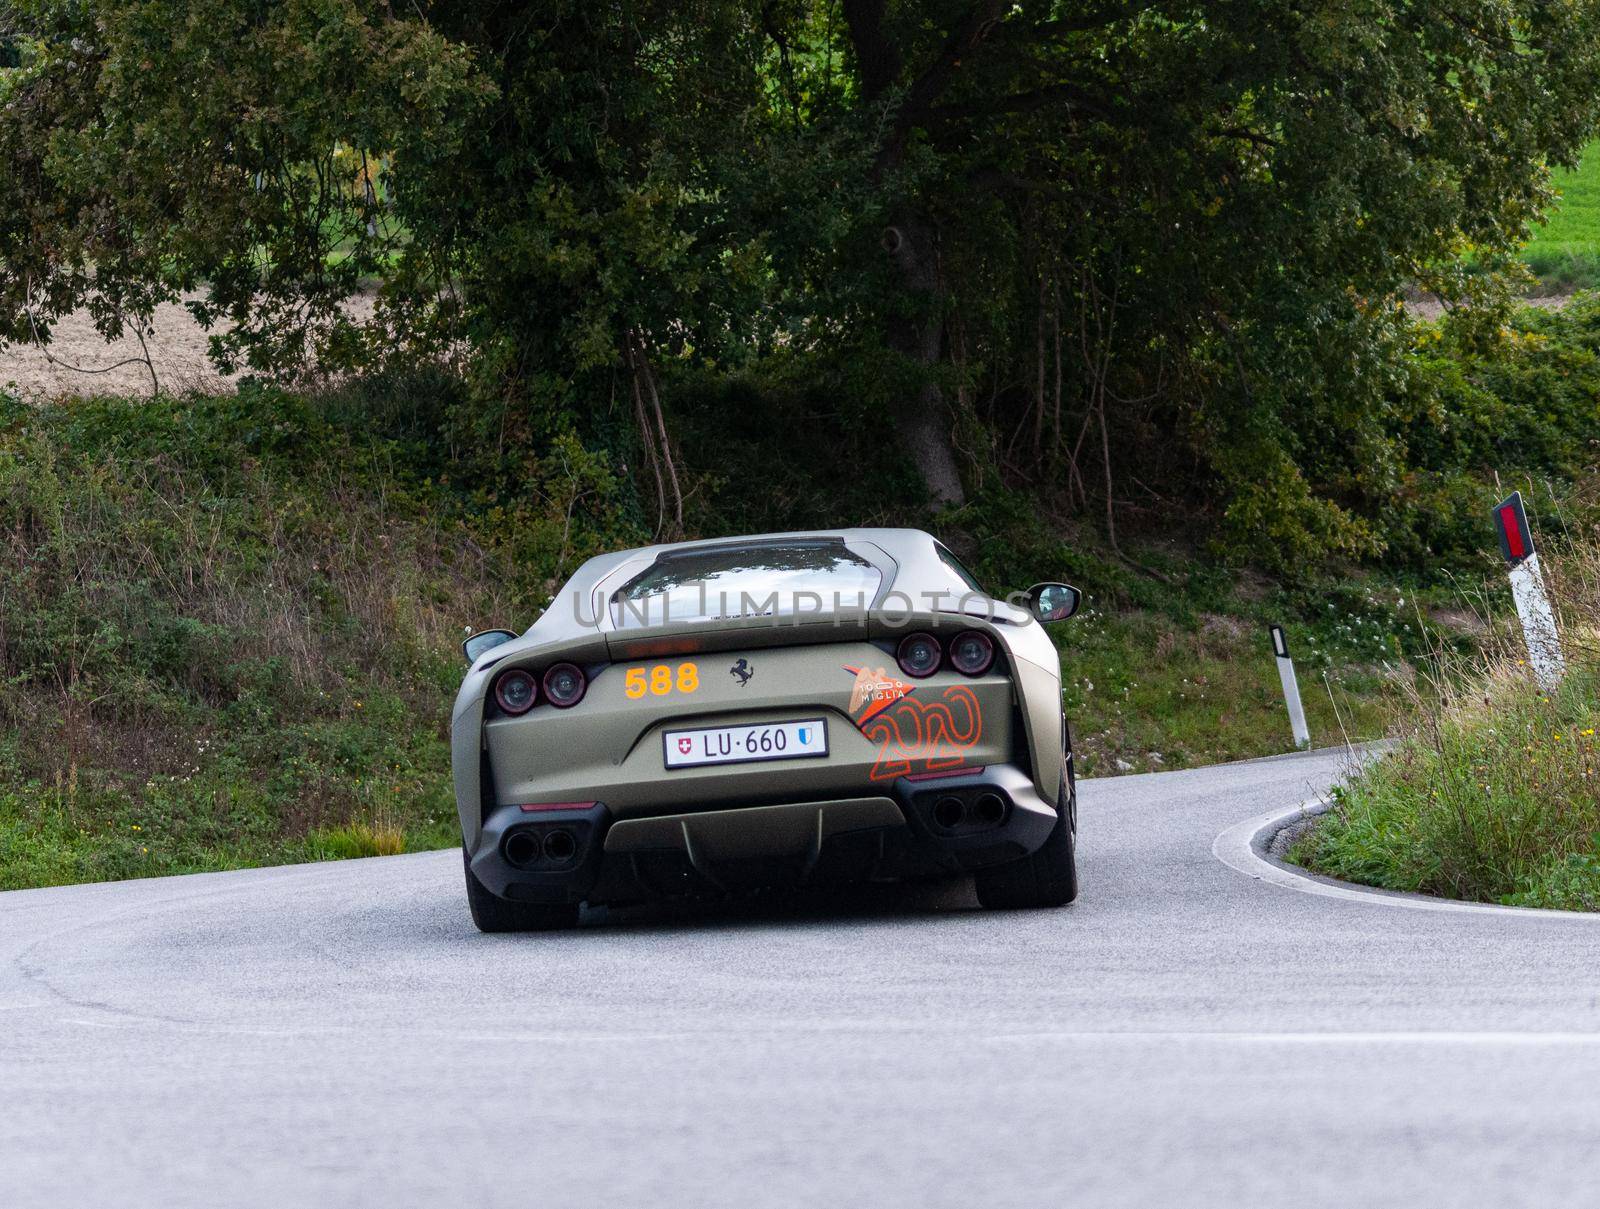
(383, 776)
(1494, 794)
(1565, 252)
(228, 630)
(1485, 804)
(1146, 692)
(1189, 677)
(227, 636)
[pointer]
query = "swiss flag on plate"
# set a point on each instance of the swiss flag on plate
(684, 745)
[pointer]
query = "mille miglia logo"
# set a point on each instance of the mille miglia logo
(873, 692)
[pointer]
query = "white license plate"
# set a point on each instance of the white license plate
(744, 744)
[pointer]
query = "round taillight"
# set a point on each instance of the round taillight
(564, 685)
(919, 655)
(972, 653)
(516, 691)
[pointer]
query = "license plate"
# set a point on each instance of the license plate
(746, 744)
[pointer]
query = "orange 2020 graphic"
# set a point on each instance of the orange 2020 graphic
(936, 734)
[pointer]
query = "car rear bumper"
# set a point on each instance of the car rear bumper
(920, 826)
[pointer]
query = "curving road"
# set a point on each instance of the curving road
(1187, 1034)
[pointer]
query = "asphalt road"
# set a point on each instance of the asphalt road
(1184, 1035)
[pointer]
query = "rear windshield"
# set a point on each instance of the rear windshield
(776, 579)
(968, 580)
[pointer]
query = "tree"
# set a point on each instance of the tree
(1223, 201)
(1108, 242)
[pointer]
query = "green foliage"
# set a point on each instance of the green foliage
(1569, 885)
(1126, 250)
(1147, 692)
(356, 840)
(1491, 795)
(1494, 805)
(792, 447)
(229, 626)
(152, 143)
(1517, 402)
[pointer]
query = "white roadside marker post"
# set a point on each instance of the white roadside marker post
(1291, 689)
(1528, 591)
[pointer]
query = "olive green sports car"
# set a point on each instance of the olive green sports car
(710, 717)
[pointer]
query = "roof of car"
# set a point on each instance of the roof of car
(888, 539)
(908, 557)
(907, 547)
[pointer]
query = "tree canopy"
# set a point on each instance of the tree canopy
(1105, 250)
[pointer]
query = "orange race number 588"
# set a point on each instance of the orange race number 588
(659, 680)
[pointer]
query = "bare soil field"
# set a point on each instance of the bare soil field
(1431, 308)
(79, 361)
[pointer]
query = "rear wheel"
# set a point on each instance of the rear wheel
(1046, 878)
(495, 914)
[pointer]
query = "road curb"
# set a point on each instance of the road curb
(1245, 847)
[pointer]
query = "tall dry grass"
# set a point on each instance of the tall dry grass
(228, 634)
(1493, 793)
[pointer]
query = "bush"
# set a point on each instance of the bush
(1494, 796)
(229, 626)
(1489, 403)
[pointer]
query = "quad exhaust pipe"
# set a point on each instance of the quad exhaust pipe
(989, 809)
(523, 848)
(560, 846)
(527, 847)
(950, 813)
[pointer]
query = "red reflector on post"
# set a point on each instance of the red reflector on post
(1511, 520)
(530, 807)
(1512, 530)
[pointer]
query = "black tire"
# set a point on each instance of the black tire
(1072, 774)
(1046, 878)
(495, 914)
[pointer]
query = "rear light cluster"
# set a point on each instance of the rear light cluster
(970, 652)
(563, 686)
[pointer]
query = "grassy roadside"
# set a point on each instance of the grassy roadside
(1148, 690)
(228, 634)
(1494, 796)
(225, 639)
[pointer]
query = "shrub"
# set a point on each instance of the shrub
(1494, 794)
(229, 626)
(1490, 400)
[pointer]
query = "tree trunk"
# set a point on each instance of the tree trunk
(921, 418)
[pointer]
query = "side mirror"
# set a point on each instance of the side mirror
(1054, 602)
(487, 640)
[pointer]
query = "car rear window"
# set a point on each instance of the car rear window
(968, 580)
(765, 579)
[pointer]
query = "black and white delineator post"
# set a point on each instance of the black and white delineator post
(1528, 590)
(1291, 689)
